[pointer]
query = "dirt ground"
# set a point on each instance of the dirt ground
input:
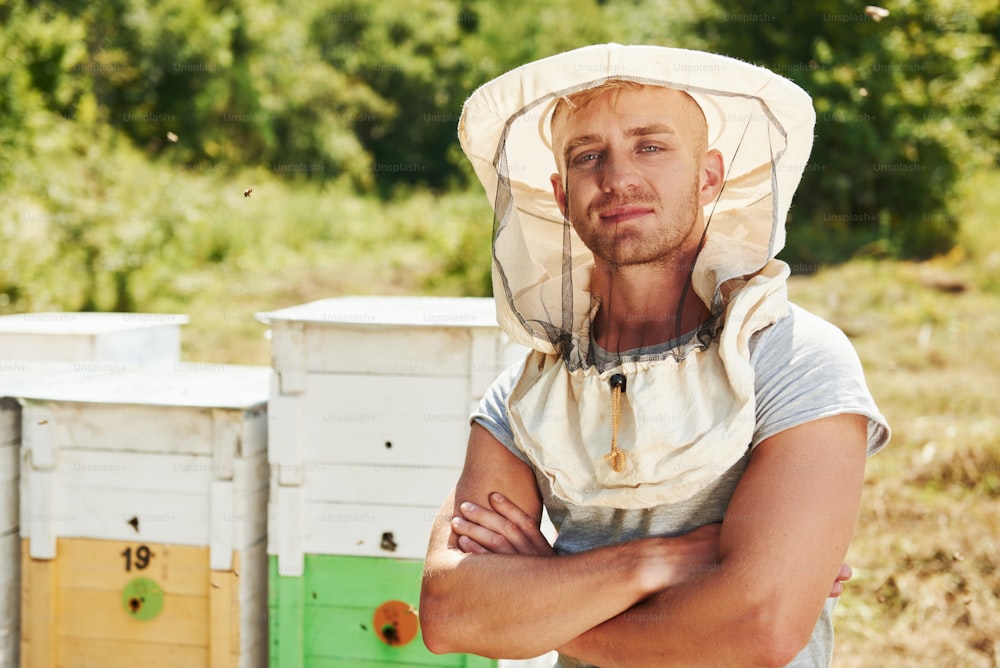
(926, 590)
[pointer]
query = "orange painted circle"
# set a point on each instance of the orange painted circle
(395, 623)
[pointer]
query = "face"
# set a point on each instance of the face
(635, 174)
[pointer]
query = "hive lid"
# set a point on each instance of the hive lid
(81, 323)
(16, 375)
(178, 384)
(377, 311)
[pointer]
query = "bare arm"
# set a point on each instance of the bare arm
(785, 534)
(522, 605)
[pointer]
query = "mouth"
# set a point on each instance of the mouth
(624, 214)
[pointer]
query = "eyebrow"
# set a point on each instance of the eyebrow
(637, 131)
(654, 129)
(577, 142)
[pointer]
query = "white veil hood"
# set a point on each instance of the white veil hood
(761, 122)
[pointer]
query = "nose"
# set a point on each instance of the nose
(618, 172)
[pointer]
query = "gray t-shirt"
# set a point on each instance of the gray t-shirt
(805, 369)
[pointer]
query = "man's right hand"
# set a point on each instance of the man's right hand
(680, 558)
(845, 574)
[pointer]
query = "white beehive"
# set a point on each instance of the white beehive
(16, 376)
(92, 337)
(10, 442)
(368, 426)
(369, 419)
(155, 472)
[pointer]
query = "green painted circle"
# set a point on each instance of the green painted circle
(142, 598)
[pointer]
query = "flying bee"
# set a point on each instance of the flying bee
(246, 193)
(876, 13)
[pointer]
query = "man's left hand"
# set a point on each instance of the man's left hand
(502, 529)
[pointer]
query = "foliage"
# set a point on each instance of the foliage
(903, 107)
(312, 104)
(128, 128)
(102, 228)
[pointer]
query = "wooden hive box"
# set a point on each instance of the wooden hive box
(16, 377)
(10, 571)
(369, 420)
(143, 518)
(92, 338)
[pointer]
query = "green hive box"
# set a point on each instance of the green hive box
(368, 419)
(325, 618)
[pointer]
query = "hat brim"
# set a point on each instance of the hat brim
(761, 122)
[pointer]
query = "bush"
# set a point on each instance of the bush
(899, 106)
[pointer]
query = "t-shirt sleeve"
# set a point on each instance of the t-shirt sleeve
(807, 369)
(491, 413)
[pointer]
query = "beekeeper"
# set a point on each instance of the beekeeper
(697, 440)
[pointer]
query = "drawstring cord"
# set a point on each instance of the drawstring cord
(617, 456)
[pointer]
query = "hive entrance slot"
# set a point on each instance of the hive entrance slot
(388, 542)
(390, 634)
(395, 623)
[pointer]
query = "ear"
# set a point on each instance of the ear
(559, 190)
(712, 176)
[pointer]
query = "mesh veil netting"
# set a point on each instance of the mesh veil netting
(763, 126)
(541, 268)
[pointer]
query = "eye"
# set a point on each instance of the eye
(586, 159)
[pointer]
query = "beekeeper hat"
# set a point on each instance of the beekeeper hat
(762, 124)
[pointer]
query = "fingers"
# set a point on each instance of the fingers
(490, 530)
(470, 546)
(475, 526)
(503, 528)
(525, 523)
(845, 574)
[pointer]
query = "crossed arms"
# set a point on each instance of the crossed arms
(746, 592)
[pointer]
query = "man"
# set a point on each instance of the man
(698, 441)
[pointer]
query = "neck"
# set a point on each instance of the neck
(641, 304)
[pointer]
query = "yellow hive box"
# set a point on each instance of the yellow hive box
(143, 497)
(15, 377)
(106, 603)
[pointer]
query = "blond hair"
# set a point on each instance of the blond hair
(574, 102)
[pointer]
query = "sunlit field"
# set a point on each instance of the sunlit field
(926, 590)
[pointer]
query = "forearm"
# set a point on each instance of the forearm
(517, 606)
(709, 620)
(787, 529)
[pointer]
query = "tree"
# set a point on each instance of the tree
(898, 104)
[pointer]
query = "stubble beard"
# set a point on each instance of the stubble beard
(659, 245)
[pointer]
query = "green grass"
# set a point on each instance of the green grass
(926, 552)
(927, 549)
(418, 245)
